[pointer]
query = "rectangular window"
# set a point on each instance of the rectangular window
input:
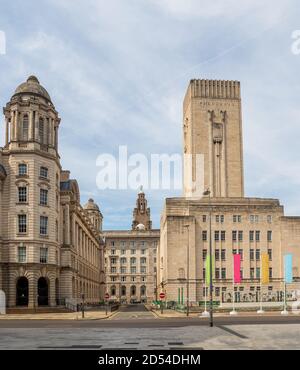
(204, 235)
(203, 273)
(217, 254)
(241, 253)
(234, 235)
(43, 197)
(123, 270)
(22, 169)
(113, 270)
(22, 223)
(43, 255)
(223, 273)
(204, 254)
(123, 278)
(133, 270)
(112, 243)
(21, 254)
(223, 254)
(240, 236)
(132, 251)
(241, 274)
(44, 172)
(112, 251)
(270, 254)
(251, 273)
(237, 218)
(217, 273)
(143, 269)
(270, 272)
(204, 218)
(223, 235)
(251, 235)
(251, 254)
(257, 236)
(143, 260)
(217, 236)
(217, 292)
(143, 251)
(123, 251)
(43, 225)
(22, 193)
(269, 235)
(269, 219)
(257, 272)
(257, 254)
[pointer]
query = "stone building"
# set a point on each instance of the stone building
(130, 258)
(212, 127)
(50, 247)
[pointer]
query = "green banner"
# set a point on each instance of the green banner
(207, 269)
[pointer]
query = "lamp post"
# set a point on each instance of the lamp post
(211, 322)
(188, 272)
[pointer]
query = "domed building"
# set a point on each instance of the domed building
(51, 248)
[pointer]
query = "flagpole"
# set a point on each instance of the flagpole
(233, 312)
(205, 313)
(260, 290)
(285, 311)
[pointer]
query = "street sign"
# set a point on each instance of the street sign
(106, 296)
(162, 295)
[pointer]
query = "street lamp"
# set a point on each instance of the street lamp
(211, 322)
(188, 272)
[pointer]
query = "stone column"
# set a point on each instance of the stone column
(67, 221)
(6, 130)
(30, 130)
(36, 126)
(51, 293)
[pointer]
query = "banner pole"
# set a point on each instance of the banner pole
(260, 284)
(233, 312)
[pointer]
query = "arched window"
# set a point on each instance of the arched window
(133, 290)
(41, 131)
(123, 290)
(143, 290)
(113, 290)
(25, 124)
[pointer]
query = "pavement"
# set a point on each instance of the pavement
(88, 315)
(134, 327)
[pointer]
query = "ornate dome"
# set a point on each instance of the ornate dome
(91, 205)
(140, 227)
(32, 86)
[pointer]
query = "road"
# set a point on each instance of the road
(133, 327)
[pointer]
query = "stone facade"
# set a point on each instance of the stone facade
(130, 258)
(212, 126)
(43, 260)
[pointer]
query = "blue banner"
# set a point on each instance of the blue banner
(288, 268)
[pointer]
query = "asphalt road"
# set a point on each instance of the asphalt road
(137, 316)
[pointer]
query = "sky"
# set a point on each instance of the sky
(117, 72)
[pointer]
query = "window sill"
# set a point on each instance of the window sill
(22, 203)
(44, 178)
(22, 234)
(25, 176)
(44, 236)
(44, 205)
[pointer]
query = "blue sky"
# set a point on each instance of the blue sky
(117, 72)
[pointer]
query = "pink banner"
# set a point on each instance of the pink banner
(237, 268)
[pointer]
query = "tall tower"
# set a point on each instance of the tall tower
(212, 130)
(30, 252)
(141, 214)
